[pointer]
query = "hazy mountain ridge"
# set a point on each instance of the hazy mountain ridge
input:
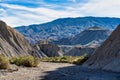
(87, 36)
(65, 27)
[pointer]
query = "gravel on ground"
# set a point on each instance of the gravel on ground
(57, 71)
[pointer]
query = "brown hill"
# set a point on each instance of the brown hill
(48, 50)
(13, 43)
(107, 56)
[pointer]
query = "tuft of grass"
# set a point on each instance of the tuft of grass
(67, 59)
(4, 62)
(27, 61)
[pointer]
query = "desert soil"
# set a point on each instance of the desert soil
(57, 71)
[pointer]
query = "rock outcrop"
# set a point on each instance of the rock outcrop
(107, 56)
(38, 51)
(79, 51)
(91, 34)
(48, 50)
(12, 43)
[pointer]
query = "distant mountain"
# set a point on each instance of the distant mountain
(65, 27)
(107, 56)
(89, 35)
(92, 35)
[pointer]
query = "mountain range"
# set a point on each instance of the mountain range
(90, 35)
(65, 27)
(14, 44)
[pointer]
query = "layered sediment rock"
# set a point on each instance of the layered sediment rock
(107, 56)
(12, 43)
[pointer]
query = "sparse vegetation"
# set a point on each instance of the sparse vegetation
(30, 61)
(67, 59)
(81, 59)
(27, 61)
(4, 62)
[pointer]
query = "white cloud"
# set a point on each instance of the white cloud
(24, 16)
(102, 8)
(16, 15)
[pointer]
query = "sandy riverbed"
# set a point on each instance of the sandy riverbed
(58, 71)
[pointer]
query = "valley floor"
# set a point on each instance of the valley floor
(57, 71)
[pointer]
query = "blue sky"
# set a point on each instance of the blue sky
(26, 12)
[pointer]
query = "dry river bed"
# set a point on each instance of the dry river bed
(57, 71)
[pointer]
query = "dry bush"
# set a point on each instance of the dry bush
(27, 61)
(4, 62)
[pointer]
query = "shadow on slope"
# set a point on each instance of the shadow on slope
(79, 73)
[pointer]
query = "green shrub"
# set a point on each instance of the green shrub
(12, 60)
(63, 59)
(4, 62)
(67, 59)
(80, 60)
(27, 61)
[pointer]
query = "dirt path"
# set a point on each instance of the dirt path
(58, 71)
(31, 73)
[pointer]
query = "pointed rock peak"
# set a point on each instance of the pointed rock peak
(3, 25)
(107, 56)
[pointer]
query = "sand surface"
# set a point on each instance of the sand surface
(57, 71)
